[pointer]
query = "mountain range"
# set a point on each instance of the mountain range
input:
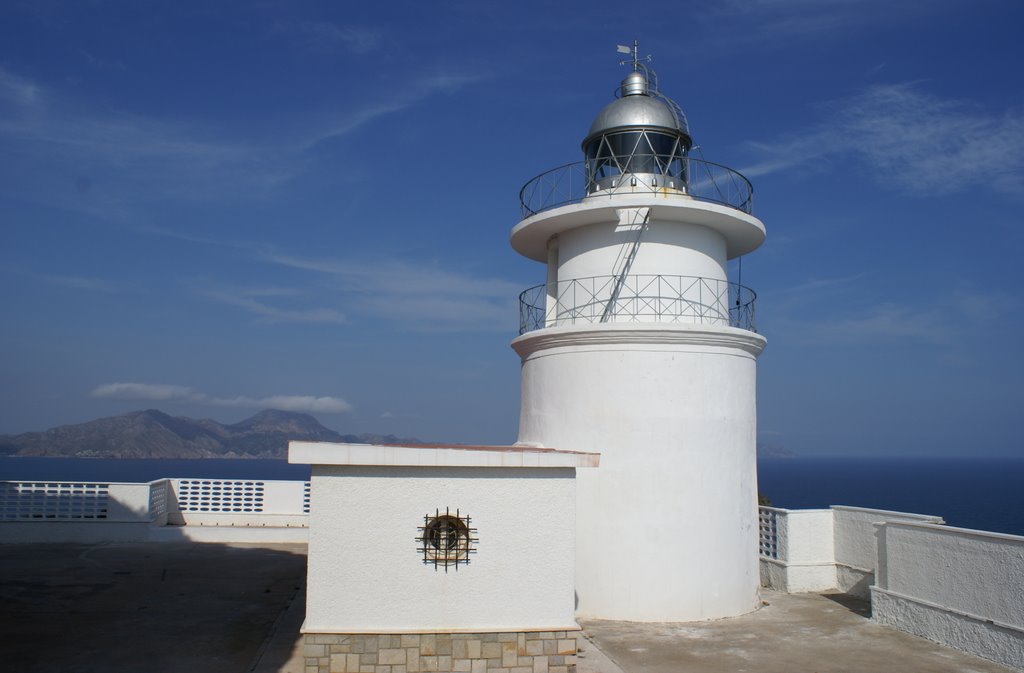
(154, 434)
(765, 450)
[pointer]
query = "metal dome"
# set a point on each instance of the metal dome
(636, 109)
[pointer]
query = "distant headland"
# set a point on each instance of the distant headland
(153, 434)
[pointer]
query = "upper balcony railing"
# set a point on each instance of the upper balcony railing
(696, 178)
(637, 299)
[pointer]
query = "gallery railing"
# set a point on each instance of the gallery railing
(696, 178)
(637, 299)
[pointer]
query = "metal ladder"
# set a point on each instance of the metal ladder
(623, 264)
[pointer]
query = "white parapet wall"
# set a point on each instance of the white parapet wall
(962, 588)
(239, 502)
(835, 549)
(796, 550)
(855, 537)
(70, 511)
(201, 510)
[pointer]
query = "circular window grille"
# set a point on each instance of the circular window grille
(446, 539)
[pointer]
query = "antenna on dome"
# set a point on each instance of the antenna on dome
(646, 82)
(623, 49)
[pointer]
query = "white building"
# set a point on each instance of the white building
(440, 558)
(639, 347)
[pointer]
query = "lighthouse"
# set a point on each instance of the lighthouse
(639, 346)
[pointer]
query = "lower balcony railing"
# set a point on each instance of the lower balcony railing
(637, 299)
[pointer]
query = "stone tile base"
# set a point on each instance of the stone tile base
(522, 652)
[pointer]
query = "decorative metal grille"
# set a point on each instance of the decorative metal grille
(768, 533)
(446, 539)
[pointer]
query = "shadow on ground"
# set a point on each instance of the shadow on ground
(155, 607)
(857, 606)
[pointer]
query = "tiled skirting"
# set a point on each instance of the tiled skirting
(522, 652)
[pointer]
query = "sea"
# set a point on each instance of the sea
(979, 493)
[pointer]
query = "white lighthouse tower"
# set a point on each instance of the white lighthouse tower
(639, 347)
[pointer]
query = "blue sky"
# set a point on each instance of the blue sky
(212, 208)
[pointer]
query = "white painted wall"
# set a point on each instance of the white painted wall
(365, 573)
(829, 549)
(806, 556)
(856, 544)
(959, 587)
(668, 524)
(280, 503)
(669, 248)
(856, 533)
(129, 502)
(743, 233)
(806, 535)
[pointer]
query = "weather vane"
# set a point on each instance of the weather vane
(623, 49)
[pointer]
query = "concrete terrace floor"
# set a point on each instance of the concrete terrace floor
(791, 633)
(198, 608)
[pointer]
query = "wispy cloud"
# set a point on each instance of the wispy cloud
(389, 275)
(781, 21)
(83, 283)
(115, 161)
(325, 35)
(144, 391)
(102, 63)
(814, 296)
(164, 392)
(422, 296)
(166, 232)
(886, 321)
(17, 90)
(390, 102)
(351, 120)
(307, 403)
(258, 301)
(111, 157)
(86, 283)
(948, 320)
(816, 285)
(911, 139)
